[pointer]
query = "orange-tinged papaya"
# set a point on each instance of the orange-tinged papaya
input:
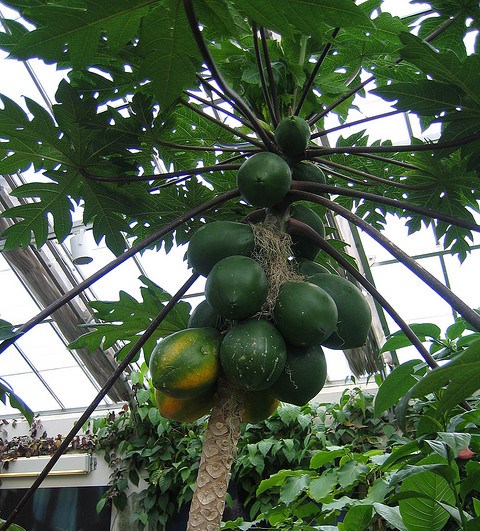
(186, 363)
(187, 410)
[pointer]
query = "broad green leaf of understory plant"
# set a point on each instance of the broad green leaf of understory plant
(391, 515)
(15, 401)
(357, 518)
(424, 331)
(460, 376)
(6, 330)
(292, 487)
(397, 384)
(423, 513)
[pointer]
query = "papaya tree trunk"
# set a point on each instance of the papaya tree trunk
(218, 453)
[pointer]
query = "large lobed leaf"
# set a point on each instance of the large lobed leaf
(79, 28)
(124, 320)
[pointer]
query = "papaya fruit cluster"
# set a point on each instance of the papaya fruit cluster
(265, 339)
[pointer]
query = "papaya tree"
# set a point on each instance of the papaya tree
(174, 115)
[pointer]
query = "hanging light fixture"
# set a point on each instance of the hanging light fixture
(81, 253)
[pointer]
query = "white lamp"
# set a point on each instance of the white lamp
(80, 249)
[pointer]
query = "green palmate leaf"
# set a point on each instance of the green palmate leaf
(287, 16)
(169, 52)
(222, 17)
(445, 185)
(445, 67)
(50, 199)
(426, 97)
(15, 31)
(125, 319)
(397, 384)
(80, 29)
(34, 141)
(103, 208)
(15, 401)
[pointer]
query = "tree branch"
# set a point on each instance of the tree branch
(100, 396)
(340, 100)
(370, 176)
(261, 73)
(217, 107)
(410, 148)
(187, 147)
(205, 52)
(313, 75)
(356, 122)
(271, 79)
(158, 176)
(235, 132)
(317, 188)
(447, 295)
(390, 161)
(46, 312)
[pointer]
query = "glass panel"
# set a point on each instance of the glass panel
(11, 362)
(411, 297)
(71, 385)
(464, 278)
(16, 305)
(32, 391)
(45, 349)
